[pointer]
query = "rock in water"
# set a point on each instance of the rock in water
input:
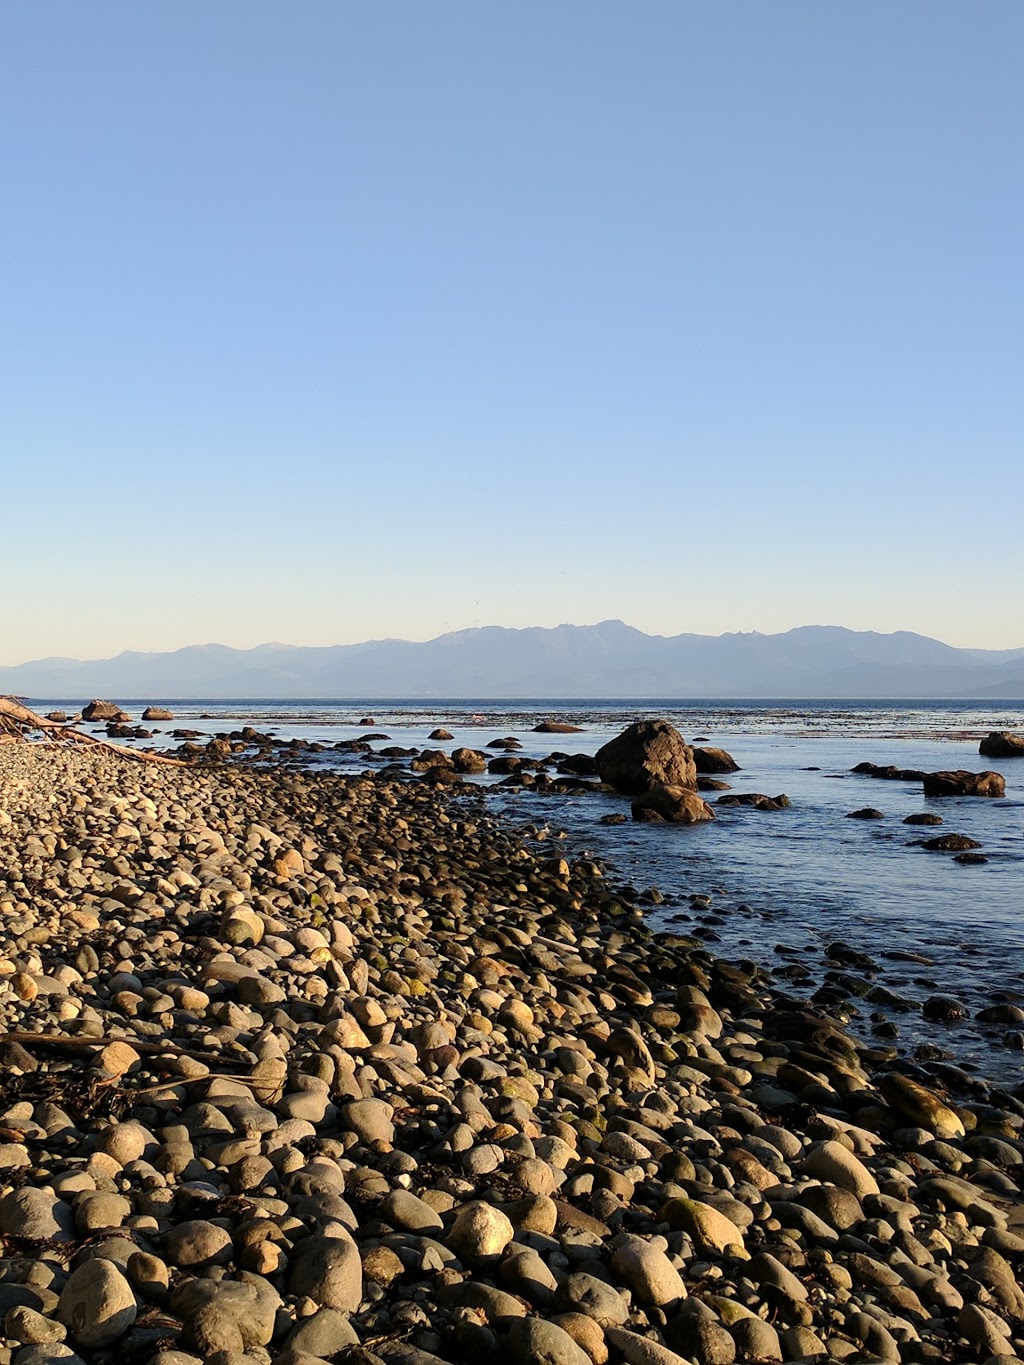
(649, 753)
(1002, 744)
(102, 710)
(963, 783)
(711, 760)
(157, 713)
(676, 805)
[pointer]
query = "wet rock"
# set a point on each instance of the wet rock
(1002, 744)
(676, 805)
(963, 783)
(711, 760)
(649, 753)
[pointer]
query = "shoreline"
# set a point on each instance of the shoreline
(467, 1102)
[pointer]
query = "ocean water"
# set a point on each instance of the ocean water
(781, 886)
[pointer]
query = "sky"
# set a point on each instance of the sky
(339, 321)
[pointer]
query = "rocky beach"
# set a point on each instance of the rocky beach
(307, 1066)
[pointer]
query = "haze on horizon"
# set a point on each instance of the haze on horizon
(348, 322)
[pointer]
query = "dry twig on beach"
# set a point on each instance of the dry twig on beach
(18, 722)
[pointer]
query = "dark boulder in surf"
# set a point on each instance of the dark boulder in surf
(648, 753)
(712, 760)
(675, 805)
(962, 783)
(1002, 744)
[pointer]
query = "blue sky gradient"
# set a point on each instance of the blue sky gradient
(341, 321)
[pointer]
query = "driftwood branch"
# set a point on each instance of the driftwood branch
(18, 722)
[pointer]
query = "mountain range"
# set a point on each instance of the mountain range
(607, 660)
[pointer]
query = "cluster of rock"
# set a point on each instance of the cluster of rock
(303, 1067)
(651, 762)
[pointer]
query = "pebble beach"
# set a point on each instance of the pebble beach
(307, 1066)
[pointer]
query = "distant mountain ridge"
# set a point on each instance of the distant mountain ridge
(610, 659)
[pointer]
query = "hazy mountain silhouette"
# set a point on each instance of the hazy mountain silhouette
(606, 660)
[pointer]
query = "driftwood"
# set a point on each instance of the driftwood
(18, 722)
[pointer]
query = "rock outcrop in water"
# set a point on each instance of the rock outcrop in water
(103, 710)
(1002, 744)
(963, 783)
(711, 760)
(675, 805)
(649, 753)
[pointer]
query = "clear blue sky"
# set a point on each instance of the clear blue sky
(341, 320)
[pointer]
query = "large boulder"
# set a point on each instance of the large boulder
(1002, 744)
(677, 805)
(649, 753)
(962, 783)
(102, 710)
(157, 713)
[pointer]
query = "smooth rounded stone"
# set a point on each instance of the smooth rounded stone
(324, 1333)
(148, 1274)
(638, 1350)
(756, 1339)
(174, 1358)
(955, 1193)
(196, 1244)
(536, 1177)
(876, 1339)
(593, 1298)
(535, 1341)
(480, 1232)
(701, 1339)
(27, 1326)
(482, 1160)
(920, 1105)
(766, 1269)
(495, 1304)
(36, 1214)
(405, 1210)
(97, 1304)
(711, 1232)
(996, 1274)
(312, 1106)
(47, 1355)
(648, 1272)
(96, 1211)
(329, 1271)
(537, 1214)
(370, 1120)
(838, 1207)
(585, 1332)
(800, 1343)
(985, 1330)
(831, 1162)
(125, 1142)
(624, 1147)
(525, 1273)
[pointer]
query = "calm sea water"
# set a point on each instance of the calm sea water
(782, 885)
